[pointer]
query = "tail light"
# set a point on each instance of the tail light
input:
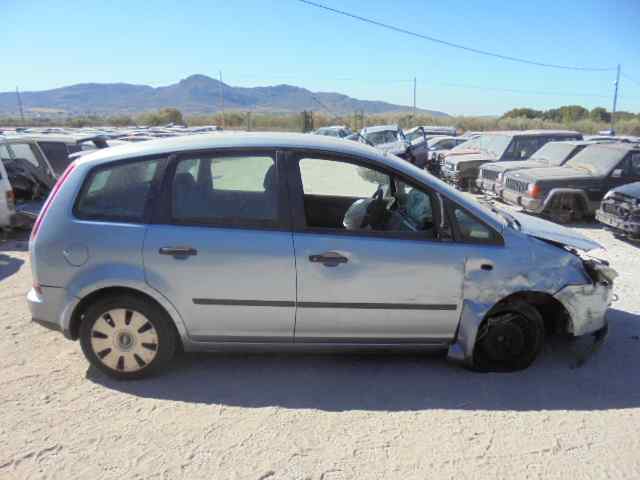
(534, 190)
(49, 201)
(11, 200)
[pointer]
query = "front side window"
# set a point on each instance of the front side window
(117, 192)
(343, 196)
(57, 154)
(225, 190)
(25, 151)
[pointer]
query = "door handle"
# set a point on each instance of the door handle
(178, 251)
(328, 259)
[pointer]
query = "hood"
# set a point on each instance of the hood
(469, 151)
(552, 173)
(395, 148)
(630, 189)
(472, 156)
(545, 230)
(513, 165)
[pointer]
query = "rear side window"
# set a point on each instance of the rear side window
(57, 154)
(25, 151)
(4, 156)
(117, 192)
(234, 190)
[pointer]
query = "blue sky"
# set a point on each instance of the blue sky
(46, 44)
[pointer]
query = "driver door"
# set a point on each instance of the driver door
(392, 285)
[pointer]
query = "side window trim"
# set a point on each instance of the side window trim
(163, 210)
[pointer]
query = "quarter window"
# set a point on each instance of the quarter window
(57, 154)
(471, 230)
(117, 193)
(231, 190)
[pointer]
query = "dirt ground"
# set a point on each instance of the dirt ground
(277, 416)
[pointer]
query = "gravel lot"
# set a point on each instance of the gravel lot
(320, 416)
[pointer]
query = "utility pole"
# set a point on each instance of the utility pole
(615, 101)
(222, 99)
(20, 105)
(414, 96)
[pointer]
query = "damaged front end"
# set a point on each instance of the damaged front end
(620, 212)
(544, 266)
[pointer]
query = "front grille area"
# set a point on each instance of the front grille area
(516, 185)
(489, 174)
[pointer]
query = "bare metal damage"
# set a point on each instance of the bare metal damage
(583, 288)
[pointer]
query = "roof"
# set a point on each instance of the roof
(46, 137)
(531, 132)
(380, 128)
(231, 140)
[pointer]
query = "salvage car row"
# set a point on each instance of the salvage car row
(558, 174)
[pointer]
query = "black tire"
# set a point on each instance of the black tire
(161, 326)
(509, 339)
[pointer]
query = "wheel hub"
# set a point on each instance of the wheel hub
(124, 340)
(504, 341)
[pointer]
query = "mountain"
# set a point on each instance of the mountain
(197, 94)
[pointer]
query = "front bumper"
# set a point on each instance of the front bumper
(617, 223)
(521, 200)
(489, 187)
(587, 304)
(52, 307)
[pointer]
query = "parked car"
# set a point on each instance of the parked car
(431, 131)
(7, 199)
(189, 242)
(34, 164)
(620, 210)
(574, 190)
(437, 147)
(552, 154)
(462, 171)
(339, 131)
(391, 139)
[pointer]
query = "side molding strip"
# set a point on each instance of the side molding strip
(360, 306)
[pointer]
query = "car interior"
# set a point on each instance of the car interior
(393, 207)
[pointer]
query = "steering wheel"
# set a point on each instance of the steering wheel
(377, 213)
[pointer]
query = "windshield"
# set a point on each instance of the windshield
(553, 153)
(597, 159)
(494, 144)
(384, 136)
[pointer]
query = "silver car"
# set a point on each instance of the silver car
(294, 241)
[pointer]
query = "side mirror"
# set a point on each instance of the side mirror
(617, 173)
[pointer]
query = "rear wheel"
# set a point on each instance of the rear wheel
(510, 338)
(127, 337)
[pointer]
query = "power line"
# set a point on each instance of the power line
(527, 92)
(451, 44)
(629, 78)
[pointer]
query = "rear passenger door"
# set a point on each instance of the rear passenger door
(220, 247)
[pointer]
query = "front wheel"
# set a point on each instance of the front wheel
(127, 337)
(510, 338)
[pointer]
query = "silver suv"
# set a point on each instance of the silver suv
(296, 241)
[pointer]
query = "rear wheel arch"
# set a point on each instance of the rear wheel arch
(90, 299)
